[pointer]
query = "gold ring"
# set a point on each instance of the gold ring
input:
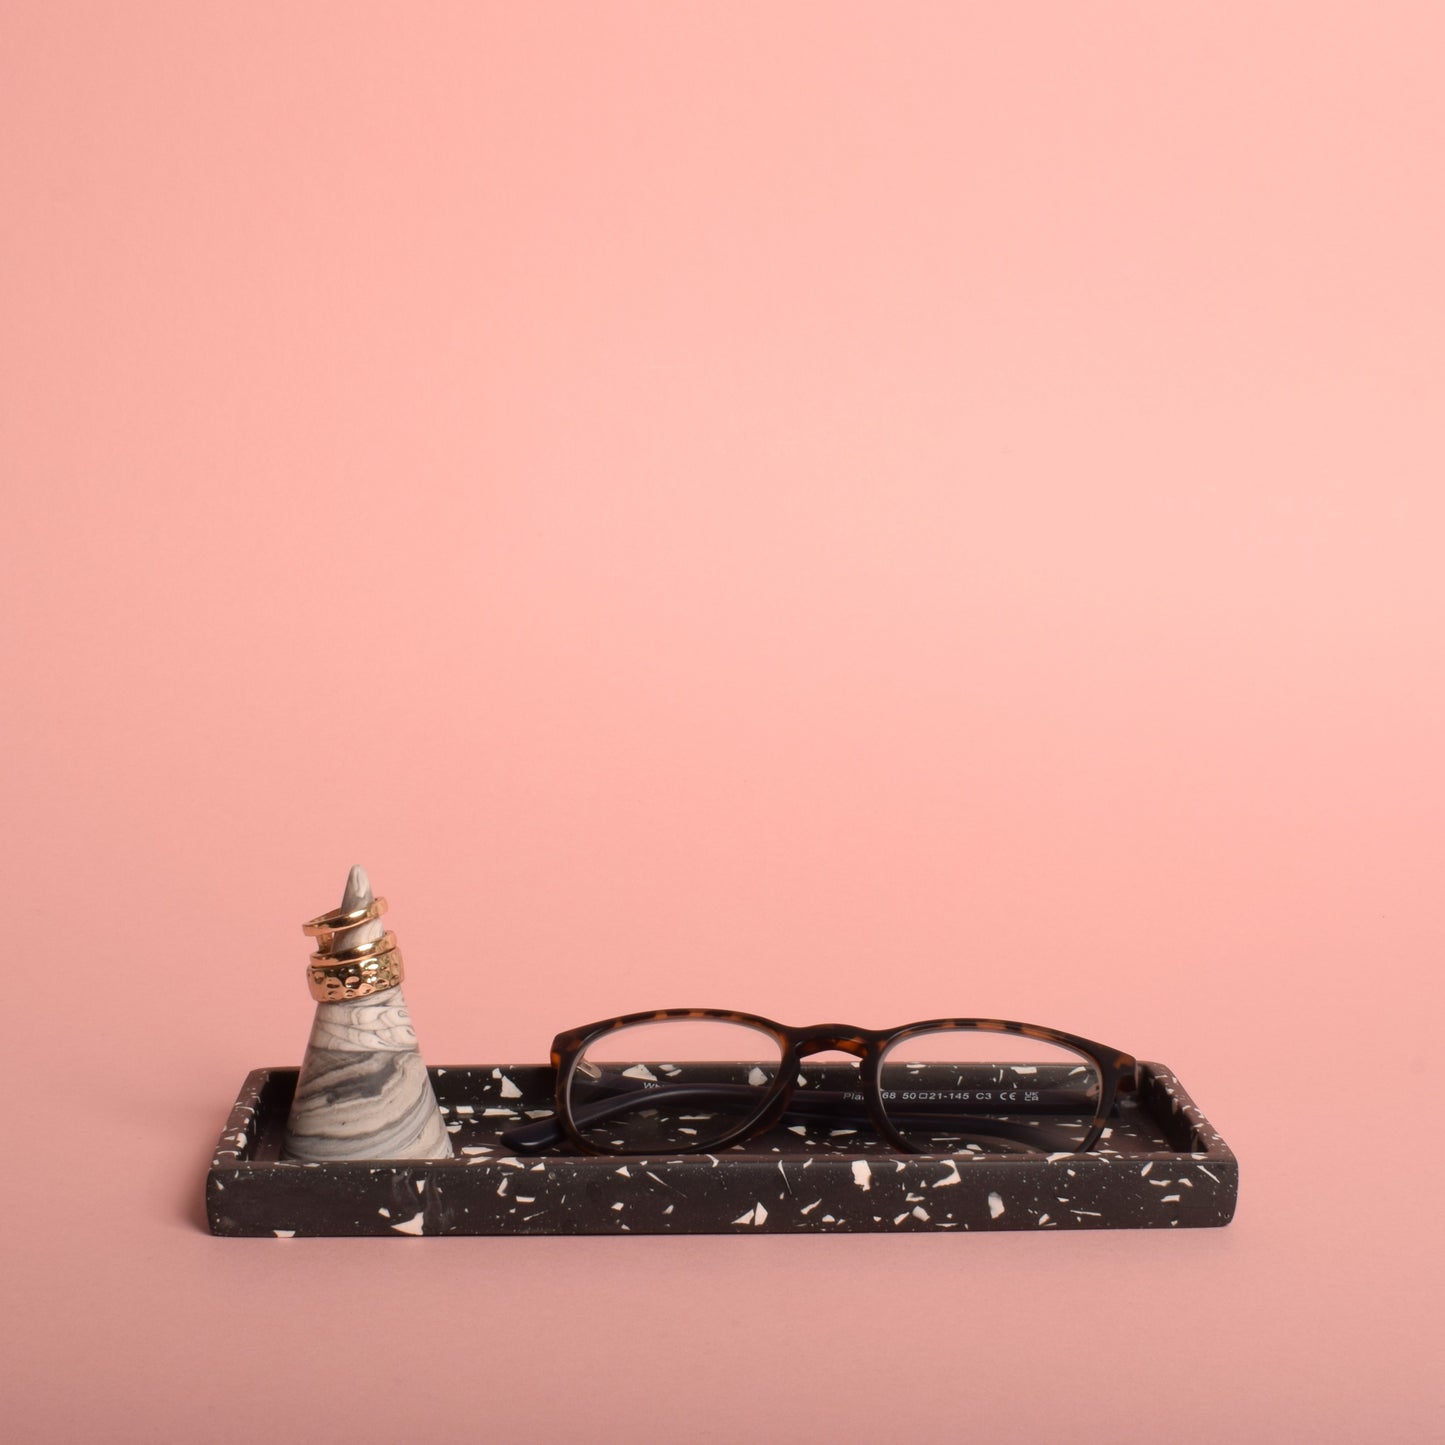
(360, 952)
(328, 925)
(332, 982)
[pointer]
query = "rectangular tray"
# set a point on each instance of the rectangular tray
(1160, 1165)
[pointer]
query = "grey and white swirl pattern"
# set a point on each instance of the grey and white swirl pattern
(363, 1090)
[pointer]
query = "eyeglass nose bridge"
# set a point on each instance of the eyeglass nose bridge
(825, 1038)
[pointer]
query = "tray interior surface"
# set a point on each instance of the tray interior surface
(482, 1103)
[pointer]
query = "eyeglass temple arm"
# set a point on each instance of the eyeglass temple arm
(549, 1131)
(816, 1104)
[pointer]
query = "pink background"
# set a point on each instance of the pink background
(850, 511)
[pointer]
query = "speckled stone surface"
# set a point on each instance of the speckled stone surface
(363, 1090)
(1161, 1166)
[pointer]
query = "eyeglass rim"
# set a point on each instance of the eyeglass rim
(1117, 1070)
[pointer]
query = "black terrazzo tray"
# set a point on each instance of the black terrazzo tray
(1160, 1165)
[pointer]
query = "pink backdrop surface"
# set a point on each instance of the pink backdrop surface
(843, 511)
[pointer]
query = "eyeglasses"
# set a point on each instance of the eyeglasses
(681, 1081)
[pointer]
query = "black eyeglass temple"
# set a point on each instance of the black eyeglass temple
(816, 1104)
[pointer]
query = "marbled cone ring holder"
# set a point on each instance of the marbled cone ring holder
(363, 1090)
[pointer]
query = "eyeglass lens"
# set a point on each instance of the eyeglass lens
(671, 1083)
(981, 1090)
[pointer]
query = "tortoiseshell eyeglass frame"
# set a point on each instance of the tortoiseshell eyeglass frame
(1117, 1072)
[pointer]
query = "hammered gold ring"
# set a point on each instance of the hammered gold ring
(328, 925)
(333, 982)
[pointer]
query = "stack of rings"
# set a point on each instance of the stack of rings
(335, 975)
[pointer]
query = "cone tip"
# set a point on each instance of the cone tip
(358, 889)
